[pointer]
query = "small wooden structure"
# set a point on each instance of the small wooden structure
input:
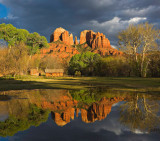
(34, 72)
(54, 72)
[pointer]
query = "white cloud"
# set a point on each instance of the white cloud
(136, 20)
(115, 25)
(11, 17)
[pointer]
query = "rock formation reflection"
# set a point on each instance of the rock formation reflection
(31, 108)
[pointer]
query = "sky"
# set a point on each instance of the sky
(106, 16)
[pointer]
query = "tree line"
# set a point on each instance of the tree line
(15, 57)
(139, 43)
(141, 56)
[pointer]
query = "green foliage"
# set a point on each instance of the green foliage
(113, 66)
(14, 124)
(85, 63)
(87, 96)
(154, 65)
(14, 36)
(82, 47)
(36, 42)
(77, 73)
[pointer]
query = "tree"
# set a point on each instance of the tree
(85, 63)
(140, 112)
(138, 41)
(36, 42)
(113, 66)
(14, 36)
(154, 65)
(50, 62)
(149, 36)
(14, 60)
(129, 40)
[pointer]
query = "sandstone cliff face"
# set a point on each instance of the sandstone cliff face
(95, 40)
(57, 34)
(98, 43)
(86, 36)
(76, 41)
(63, 35)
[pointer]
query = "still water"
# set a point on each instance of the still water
(79, 115)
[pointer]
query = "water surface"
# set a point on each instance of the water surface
(79, 115)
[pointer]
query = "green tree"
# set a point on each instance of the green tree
(14, 36)
(36, 42)
(154, 65)
(85, 63)
(113, 66)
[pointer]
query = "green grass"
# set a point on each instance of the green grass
(116, 83)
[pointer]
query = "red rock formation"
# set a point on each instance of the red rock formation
(64, 50)
(57, 34)
(63, 111)
(86, 35)
(63, 35)
(98, 111)
(98, 43)
(76, 41)
(59, 50)
(71, 39)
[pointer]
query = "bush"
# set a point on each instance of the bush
(77, 73)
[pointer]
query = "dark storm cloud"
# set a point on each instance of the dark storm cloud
(107, 16)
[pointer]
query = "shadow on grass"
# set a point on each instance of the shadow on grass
(12, 84)
(79, 83)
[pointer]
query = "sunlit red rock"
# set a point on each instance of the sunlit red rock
(62, 35)
(63, 111)
(76, 41)
(62, 41)
(57, 34)
(98, 43)
(59, 50)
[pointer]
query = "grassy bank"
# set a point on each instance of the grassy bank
(116, 83)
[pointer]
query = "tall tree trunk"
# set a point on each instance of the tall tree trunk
(142, 65)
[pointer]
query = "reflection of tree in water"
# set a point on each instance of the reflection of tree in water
(34, 117)
(91, 95)
(140, 112)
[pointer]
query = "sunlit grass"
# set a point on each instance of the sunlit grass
(116, 83)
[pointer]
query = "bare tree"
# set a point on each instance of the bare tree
(138, 41)
(14, 60)
(148, 36)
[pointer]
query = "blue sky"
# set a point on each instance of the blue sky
(106, 16)
(3, 11)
